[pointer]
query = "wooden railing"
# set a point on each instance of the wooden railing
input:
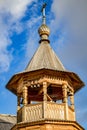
(19, 115)
(55, 111)
(48, 110)
(71, 114)
(34, 112)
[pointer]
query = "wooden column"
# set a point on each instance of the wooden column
(65, 100)
(72, 104)
(25, 95)
(72, 99)
(44, 91)
(25, 102)
(18, 102)
(44, 99)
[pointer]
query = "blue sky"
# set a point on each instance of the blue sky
(19, 23)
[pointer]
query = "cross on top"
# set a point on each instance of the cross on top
(43, 12)
(43, 9)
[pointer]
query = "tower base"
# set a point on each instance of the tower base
(48, 125)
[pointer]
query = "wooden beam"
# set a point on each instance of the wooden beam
(41, 90)
(49, 97)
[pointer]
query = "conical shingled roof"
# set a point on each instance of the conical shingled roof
(46, 58)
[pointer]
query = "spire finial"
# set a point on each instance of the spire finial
(44, 30)
(43, 13)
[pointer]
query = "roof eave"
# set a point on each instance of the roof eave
(74, 78)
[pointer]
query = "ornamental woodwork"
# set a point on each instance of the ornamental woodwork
(54, 111)
(44, 91)
(25, 95)
(72, 100)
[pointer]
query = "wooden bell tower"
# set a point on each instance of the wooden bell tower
(45, 90)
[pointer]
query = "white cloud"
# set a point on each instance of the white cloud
(33, 38)
(33, 21)
(16, 8)
(5, 56)
(10, 14)
(71, 15)
(71, 20)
